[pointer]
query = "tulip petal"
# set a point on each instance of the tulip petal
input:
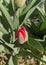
(23, 33)
(21, 38)
(26, 39)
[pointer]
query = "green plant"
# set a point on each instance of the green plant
(33, 17)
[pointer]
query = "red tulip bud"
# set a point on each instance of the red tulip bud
(22, 35)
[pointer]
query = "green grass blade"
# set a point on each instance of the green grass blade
(2, 29)
(12, 1)
(10, 61)
(28, 6)
(43, 26)
(28, 15)
(15, 60)
(36, 45)
(16, 19)
(5, 12)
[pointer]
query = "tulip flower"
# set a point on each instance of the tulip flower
(22, 35)
(20, 3)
